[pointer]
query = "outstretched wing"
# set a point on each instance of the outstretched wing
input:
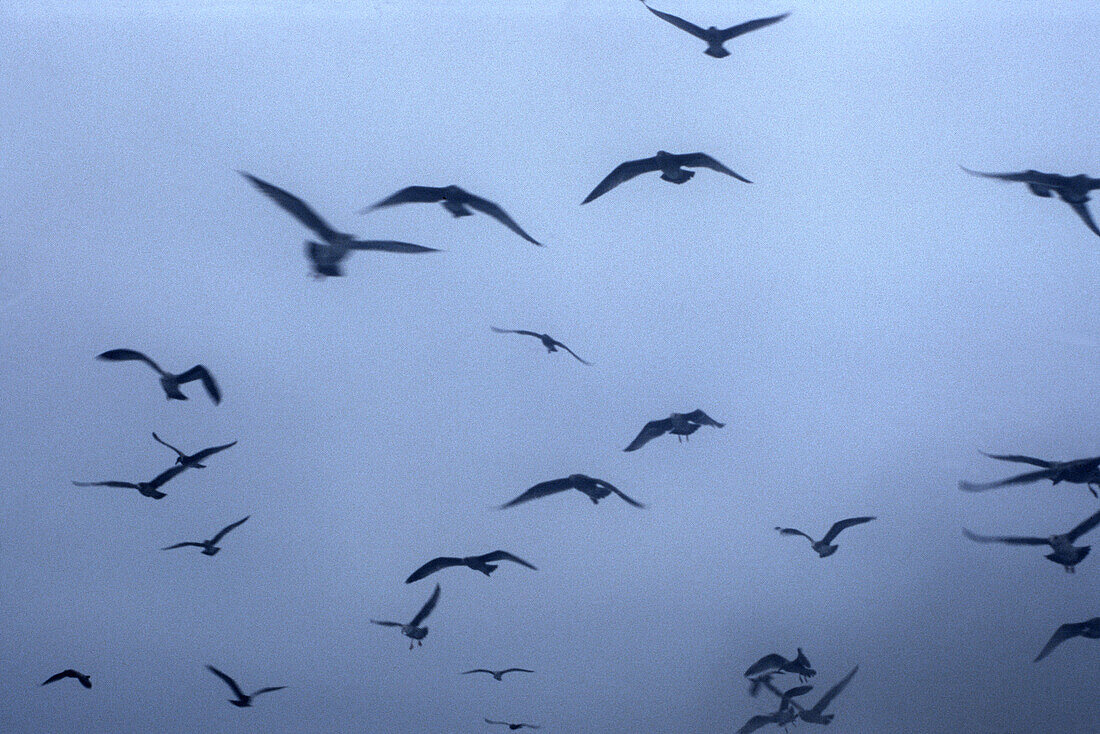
(789, 694)
(516, 331)
(698, 416)
(542, 489)
(228, 681)
(793, 531)
(749, 26)
(840, 525)
(1020, 459)
(388, 246)
(478, 670)
(765, 664)
(652, 430)
(702, 160)
(386, 624)
(409, 195)
(426, 609)
(678, 22)
(70, 673)
(211, 451)
(487, 207)
(222, 533)
(294, 206)
(516, 670)
(120, 485)
(186, 544)
(198, 372)
(824, 701)
(269, 689)
(1029, 176)
(622, 173)
(436, 564)
(1006, 539)
(490, 721)
(1063, 633)
(161, 441)
(500, 555)
(1086, 217)
(165, 475)
(756, 722)
(612, 488)
(126, 355)
(1025, 478)
(1090, 522)
(558, 343)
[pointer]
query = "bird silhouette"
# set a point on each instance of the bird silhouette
(1065, 552)
(671, 166)
(1074, 190)
(716, 37)
(456, 200)
(816, 714)
(148, 489)
(243, 700)
(548, 341)
(776, 663)
(824, 547)
(784, 715)
(511, 726)
(681, 425)
(85, 680)
(498, 674)
(170, 382)
(483, 563)
(326, 256)
(194, 461)
(413, 630)
(1076, 471)
(1090, 629)
(595, 489)
(210, 547)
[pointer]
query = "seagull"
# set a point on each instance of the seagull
(596, 489)
(194, 460)
(1076, 471)
(456, 200)
(669, 164)
(680, 424)
(413, 630)
(210, 547)
(776, 663)
(498, 674)
(242, 700)
(483, 563)
(817, 715)
(85, 680)
(548, 341)
(786, 714)
(148, 489)
(714, 36)
(1090, 628)
(513, 727)
(824, 547)
(1074, 190)
(326, 256)
(1065, 552)
(171, 383)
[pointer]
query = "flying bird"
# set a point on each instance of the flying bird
(170, 382)
(194, 461)
(824, 547)
(596, 489)
(513, 727)
(784, 715)
(1076, 471)
(210, 547)
(817, 715)
(714, 36)
(148, 489)
(85, 680)
(498, 674)
(1065, 552)
(680, 424)
(413, 630)
(1090, 629)
(456, 200)
(1074, 190)
(776, 663)
(484, 563)
(243, 700)
(326, 256)
(548, 341)
(671, 166)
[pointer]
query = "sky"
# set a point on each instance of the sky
(864, 318)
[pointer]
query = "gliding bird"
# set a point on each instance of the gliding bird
(243, 700)
(413, 630)
(1075, 471)
(1090, 629)
(1065, 552)
(714, 36)
(148, 489)
(498, 674)
(817, 715)
(824, 547)
(671, 166)
(681, 425)
(210, 547)
(194, 460)
(1074, 190)
(548, 341)
(484, 563)
(170, 382)
(513, 727)
(456, 200)
(595, 489)
(85, 680)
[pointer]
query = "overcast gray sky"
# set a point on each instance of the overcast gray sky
(864, 318)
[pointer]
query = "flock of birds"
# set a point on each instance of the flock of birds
(326, 257)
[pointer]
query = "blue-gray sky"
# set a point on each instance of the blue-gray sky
(864, 317)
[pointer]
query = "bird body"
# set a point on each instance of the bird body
(413, 630)
(1089, 629)
(242, 700)
(485, 563)
(678, 424)
(85, 680)
(169, 382)
(210, 547)
(1073, 190)
(511, 726)
(454, 199)
(671, 166)
(715, 37)
(1064, 552)
(594, 489)
(825, 547)
(548, 341)
(1075, 471)
(498, 674)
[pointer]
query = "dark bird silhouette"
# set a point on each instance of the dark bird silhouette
(824, 547)
(784, 715)
(716, 37)
(148, 489)
(210, 547)
(456, 200)
(194, 461)
(1065, 552)
(681, 425)
(548, 341)
(1090, 629)
(413, 630)
(326, 256)
(776, 663)
(1076, 471)
(171, 383)
(513, 727)
(671, 166)
(596, 489)
(85, 680)
(484, 563)
(817, 715)
(1074, 190)
(498, 674)
(243, 700)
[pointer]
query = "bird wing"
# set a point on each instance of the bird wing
(388, 246)
(652, 430)
(161, 441)
(165, 475)
(749, 26)
(764, 664)
(490, 721)
(1088, 524)
(499, 555)
(386, 624)
(824, 701)
(840, 525)
(186, 544)
(478, 670)
(794, 531)
(516, 670)
(702, 160)
(790, 693)
(558, 343)
(269, 689)
(211, 451)
(678, 22)
(611, 487)
(70, 673)
(228, 681)
(1025, 478)
(436, 564)
(126, 355)
(542, 489)
(1030, 176)
(1063, 633)
(623, 173)
(426, 609)
(487, 207)
(1020, 459)
(517, 331)
(409, 195)
(120, 485)
(698, 416)
(1006, 539)
(294, 206)
(756, 722)
(1086, 217)
(222, 533)
(198, 372)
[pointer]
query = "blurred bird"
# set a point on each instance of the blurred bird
(148, 489)
(714, 36)
(456, 200)
(786, 713)
(170, 382)
(498, 674)
(548, 341)
(596, 489)
(1090, 629)
(1065, 553)
(194, 460)
(680, 424)
(85, 680)
(671, 166)
(824, 547)
(326, 256)
(483, 563)
(513, 727)
(776, 663)
(243, 700)
(1076, 471)
(817, 715)
(413, 630)
(210, 547)
(1074, 190)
